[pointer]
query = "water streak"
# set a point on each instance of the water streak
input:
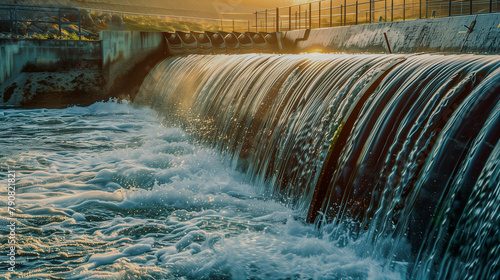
(398, 147)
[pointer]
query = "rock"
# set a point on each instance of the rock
(53, 28)
(71, 28)
(42, 27)
(51, 35)
(47, 28)
(4, 27)
(74, 29)
(34, 29)
(117, 19)
(103, 16)
(79, 217)
(71, 16)
(86, 19)
(21, 28)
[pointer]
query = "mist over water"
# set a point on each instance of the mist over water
(110, 192)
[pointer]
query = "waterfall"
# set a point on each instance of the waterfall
(400, 148)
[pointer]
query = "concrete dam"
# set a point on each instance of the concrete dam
(371, 151)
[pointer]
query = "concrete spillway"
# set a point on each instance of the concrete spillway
(116, 64)
(397, 153)
(181, 43)
(449, 35)
(400, 149)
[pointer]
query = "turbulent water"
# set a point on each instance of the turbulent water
(401, 150)
(109, 192)
(215, 171)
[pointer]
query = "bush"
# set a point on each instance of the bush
(72, 36)
(117, 20)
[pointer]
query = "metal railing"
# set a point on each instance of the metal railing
(317, 14)
(209, 24)
(331, 13)
(14, 14)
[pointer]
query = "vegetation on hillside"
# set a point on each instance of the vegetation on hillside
(94, 21)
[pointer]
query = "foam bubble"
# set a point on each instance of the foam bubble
(123, 197)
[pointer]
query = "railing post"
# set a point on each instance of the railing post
(319, 14)
(491, 6)
(299, 16)
(331, 13)
(470, 8)
(296, 16)
(305, 19)
(341, 13)
(266, 20)
(356, 12)
(60, 31)
(233, 25)
(385, 11)
(248, 25)
(345, 12)
(290, 18)
(310, 15)
(11, 21)
(370, 17)
(221, 25)
(449, 9)
(15, 22)
(420, 9)
(392, 10)
(277, 19)
(79, 25)
(404, 10)
(426, 8)
(256, 22)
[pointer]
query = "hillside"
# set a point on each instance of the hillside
(190, 8)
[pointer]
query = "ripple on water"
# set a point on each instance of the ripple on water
(107, 192)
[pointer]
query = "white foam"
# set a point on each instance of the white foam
(141, 200)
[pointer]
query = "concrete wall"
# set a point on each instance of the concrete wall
(37, 55)
(46, 73)
(127, 57)
(413, 36)
(116, 65)
(119, 47)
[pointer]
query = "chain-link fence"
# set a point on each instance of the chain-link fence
(330, 13)
(30, 21)
(27, 21)
(44, 22)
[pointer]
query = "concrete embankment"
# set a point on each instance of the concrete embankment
(427, 35)
(127, 58)
(53, 73)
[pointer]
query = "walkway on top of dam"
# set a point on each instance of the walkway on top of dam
(310, 15)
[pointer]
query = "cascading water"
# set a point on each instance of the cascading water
(399, 148)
